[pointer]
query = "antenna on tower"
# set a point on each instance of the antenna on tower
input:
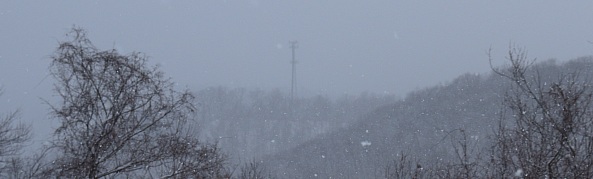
(293, 45)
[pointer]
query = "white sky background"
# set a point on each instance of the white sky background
(345, 46)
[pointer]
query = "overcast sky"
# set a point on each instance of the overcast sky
(345, 46)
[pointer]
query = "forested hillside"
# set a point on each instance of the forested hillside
(424, 131)
(249, 124)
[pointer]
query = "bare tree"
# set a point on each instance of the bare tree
(12, 139)
(467, 162)
(189, 158)
(119, 117)
(29, 166)
(548, 132)
(404, 167)
(254, 170)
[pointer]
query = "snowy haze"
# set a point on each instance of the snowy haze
(345, 46)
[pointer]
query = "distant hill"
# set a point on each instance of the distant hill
(419, 126)
(248, 124)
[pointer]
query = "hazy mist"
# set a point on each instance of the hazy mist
(344, 46)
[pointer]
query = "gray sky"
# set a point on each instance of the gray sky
(345, 46)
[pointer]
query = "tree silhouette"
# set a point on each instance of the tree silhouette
(121, 118)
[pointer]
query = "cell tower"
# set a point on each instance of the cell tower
(293, 86)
